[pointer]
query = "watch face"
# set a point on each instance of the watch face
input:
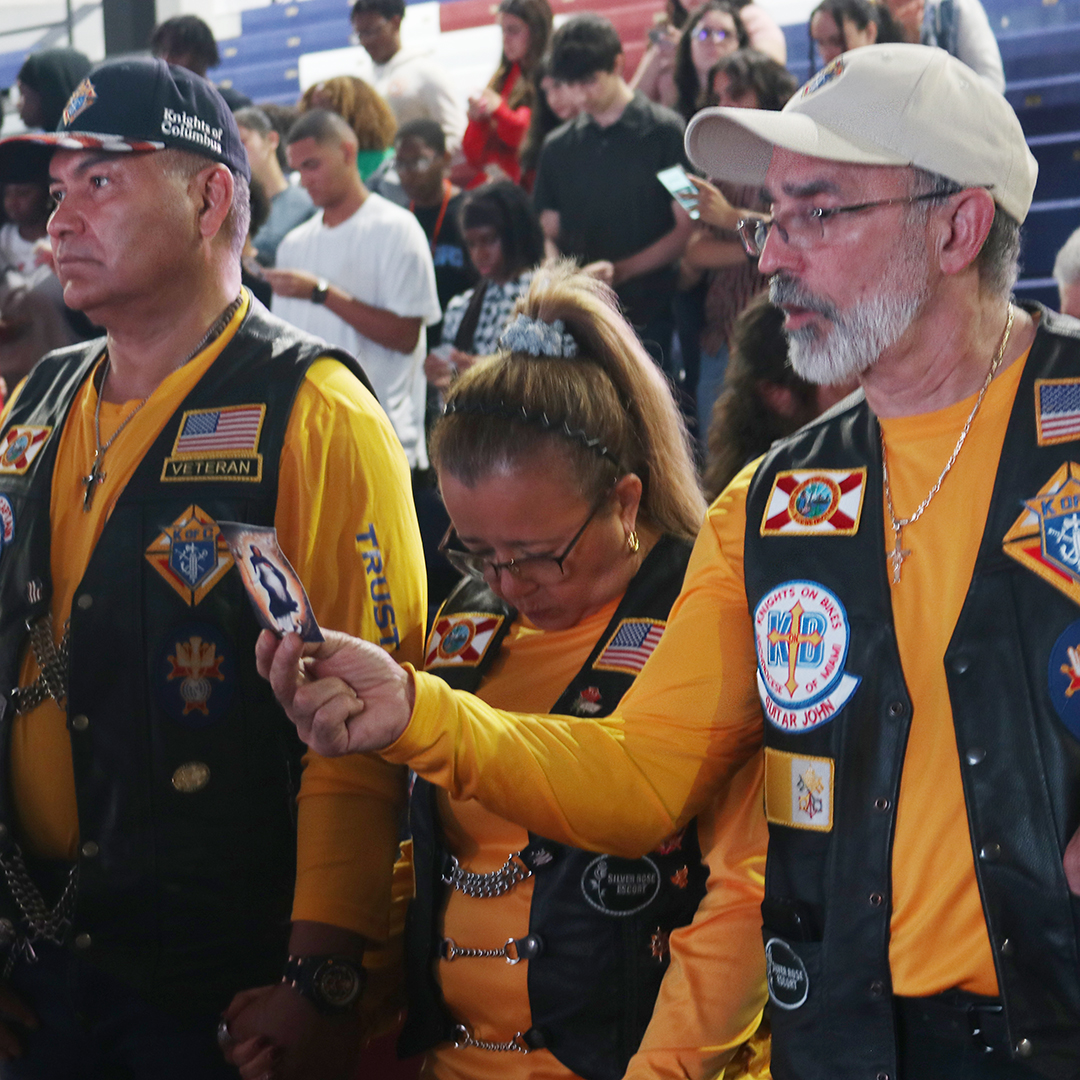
(337, 982)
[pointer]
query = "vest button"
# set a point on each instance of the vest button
(883, 1076)
(976, 755)
(877, 988)
(83, 941)
(896, 709)
(89, 849)
(876, 899)
(961, 664)
(990, 852)
(1007, 948)
(882, 804)
(80, 722)
(85, 602)
(1024, 1048)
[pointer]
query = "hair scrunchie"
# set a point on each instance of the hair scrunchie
(534, 337)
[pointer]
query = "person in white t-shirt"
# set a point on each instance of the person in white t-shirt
(414, 85)
(359, 274)
(26, 209)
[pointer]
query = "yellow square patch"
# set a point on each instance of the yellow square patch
(799, 790)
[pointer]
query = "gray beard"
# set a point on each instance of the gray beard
(856, 339)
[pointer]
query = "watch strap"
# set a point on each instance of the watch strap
(333, 984)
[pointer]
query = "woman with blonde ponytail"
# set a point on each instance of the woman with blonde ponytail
(568, 477)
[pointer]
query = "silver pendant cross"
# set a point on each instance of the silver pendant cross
(95, 477)
(897, 556)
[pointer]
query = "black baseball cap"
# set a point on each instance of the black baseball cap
(137, 104)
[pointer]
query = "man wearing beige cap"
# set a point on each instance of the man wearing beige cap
(888, 600)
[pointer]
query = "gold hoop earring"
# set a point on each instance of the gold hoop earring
(632, 541)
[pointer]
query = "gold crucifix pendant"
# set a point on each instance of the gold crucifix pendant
(90, 481)
(897, 557)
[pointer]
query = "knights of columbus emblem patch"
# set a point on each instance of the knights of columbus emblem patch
(191, 554)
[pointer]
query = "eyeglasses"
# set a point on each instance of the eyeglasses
(805, 228)
(538, 569)
(717, 37)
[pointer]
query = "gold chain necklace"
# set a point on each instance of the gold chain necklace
(900, 553)
(97, 474)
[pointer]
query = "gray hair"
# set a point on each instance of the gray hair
(998, 261)
(1067, 263)
(234, 228)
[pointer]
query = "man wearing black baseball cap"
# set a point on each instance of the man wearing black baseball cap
(155, 836)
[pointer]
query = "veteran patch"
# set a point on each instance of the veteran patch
(191, 555)
(1045, 538)
(20, 445)
(460, 640)
(815, 502)
(1057, 410)
(195, 675)
(799, 790)
(620, 887)
(630, 646)
(217, 444)
(801, 634)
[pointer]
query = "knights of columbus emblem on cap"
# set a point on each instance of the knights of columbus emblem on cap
(84, 96)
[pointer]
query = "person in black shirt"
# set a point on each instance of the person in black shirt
(423, 165)
(596, 189)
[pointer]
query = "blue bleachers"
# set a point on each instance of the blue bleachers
(283, 43)
(276, 16)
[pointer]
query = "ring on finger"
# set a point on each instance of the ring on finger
(224, 1035)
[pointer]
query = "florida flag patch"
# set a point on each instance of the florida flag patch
(461, 640)
(815, 502)
(19, 447)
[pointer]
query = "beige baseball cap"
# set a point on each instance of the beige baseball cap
(881, 105)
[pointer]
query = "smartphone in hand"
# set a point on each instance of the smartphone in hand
(678, 183)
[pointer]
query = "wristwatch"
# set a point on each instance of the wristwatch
(331, 983)
(318, 293)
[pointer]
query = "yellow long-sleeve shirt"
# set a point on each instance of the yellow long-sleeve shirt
(693, 717)
(344, 498)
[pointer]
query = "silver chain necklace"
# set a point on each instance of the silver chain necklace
(900, 553)
(97, 474)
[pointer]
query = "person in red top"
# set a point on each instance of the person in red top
(499, 114)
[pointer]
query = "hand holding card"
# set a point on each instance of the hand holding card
(276, 593)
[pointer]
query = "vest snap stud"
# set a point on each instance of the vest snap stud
(976, 755)
(896, 709)
(89, 850)
(1007, 947)
(877, 988)
(876, 899)
(1024, 1048)
(85, 602)
(83, 941)
(80, 722)
(961, 664)
(990, 852)
(882, 804)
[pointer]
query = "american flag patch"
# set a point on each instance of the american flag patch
(1057, 410)
(232, 430)
(630, 646)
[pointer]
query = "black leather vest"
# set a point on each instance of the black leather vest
(598, 925)
(823, 622)
(186, 770)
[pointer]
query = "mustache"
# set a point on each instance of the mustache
(784, 289)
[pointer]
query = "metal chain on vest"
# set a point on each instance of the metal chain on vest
(52, 660)
(485, 886)
(463, 1038)
(449, 949)
(39, 923)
